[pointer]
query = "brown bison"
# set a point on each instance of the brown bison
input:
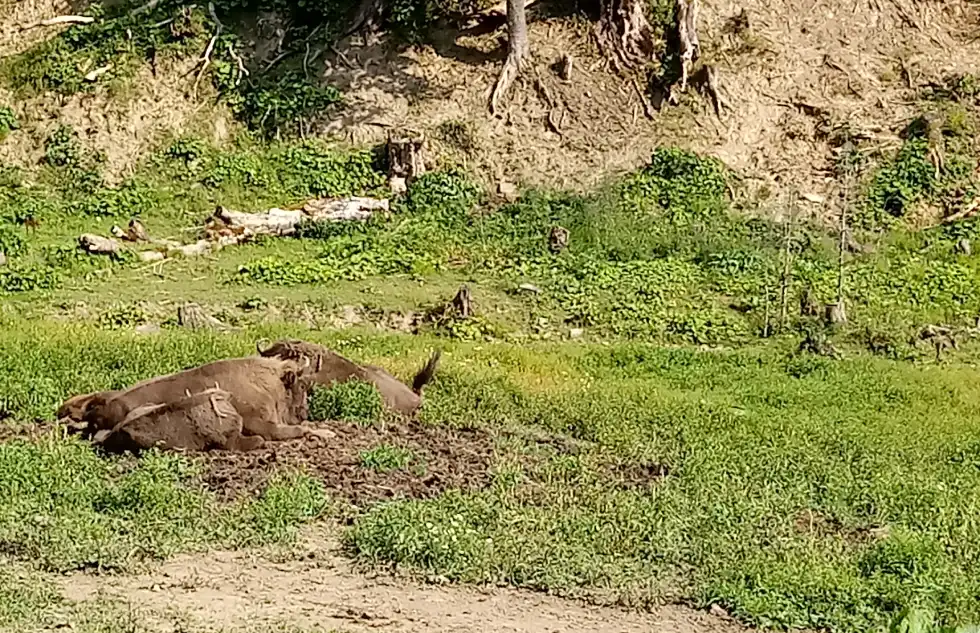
(74, 408)
(269, 394)
(200, 422)
(333, 367)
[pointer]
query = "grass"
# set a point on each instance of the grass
(65, 508)
(353, 401)
(801, 491)
(385, 458)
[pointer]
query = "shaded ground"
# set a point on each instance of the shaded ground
(223, 591)
(442, 459)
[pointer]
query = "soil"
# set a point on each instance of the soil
(443, 459)
(225, 591)
(796, 77)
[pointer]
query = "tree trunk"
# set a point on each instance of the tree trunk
(624, 34)
(406, 159)
(518, 50)
(687, 35)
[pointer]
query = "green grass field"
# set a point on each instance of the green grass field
(717, 464)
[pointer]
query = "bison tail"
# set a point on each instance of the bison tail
(425, 376)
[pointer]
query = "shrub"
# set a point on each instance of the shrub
(352, 401)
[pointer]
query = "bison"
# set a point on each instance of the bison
(74, 408)
(203, 421)
(333, 367)
(269, 394)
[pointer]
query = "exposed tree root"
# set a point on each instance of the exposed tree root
(517, 55)
(624, 34)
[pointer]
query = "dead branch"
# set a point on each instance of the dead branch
(61, 19)
(149, 6)
(340, 54)
(242, 71)
(206, 59)
(275, 60)
(98, 72)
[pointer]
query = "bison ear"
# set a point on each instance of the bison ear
(92, 403)
(289, 379)
(260, 348)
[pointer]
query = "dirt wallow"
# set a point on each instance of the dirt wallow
(244, 419)
(440, 459)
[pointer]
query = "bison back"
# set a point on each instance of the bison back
(199, 422)
(255, 384)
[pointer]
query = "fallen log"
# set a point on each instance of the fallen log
(97, 245)
(226, 228)
(280, 222)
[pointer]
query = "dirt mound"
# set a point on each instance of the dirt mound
(363, 463)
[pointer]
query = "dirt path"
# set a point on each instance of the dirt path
(227, 590)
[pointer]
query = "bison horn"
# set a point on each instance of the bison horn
(259, 345)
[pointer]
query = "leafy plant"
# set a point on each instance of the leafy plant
(352, 401)
(386, 458)
(8, 121)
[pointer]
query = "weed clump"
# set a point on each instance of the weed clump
(385, 458)
(8, 121)
(351, 401)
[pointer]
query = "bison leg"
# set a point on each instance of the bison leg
(245, 443)
(273, 432)
(276, 432)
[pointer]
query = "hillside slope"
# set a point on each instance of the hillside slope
(800, 79)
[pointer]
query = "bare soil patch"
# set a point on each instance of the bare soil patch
(225, 591)
(442, 459)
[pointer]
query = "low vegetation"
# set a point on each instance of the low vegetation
(718, 452)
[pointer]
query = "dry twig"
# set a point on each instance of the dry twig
(61, 19)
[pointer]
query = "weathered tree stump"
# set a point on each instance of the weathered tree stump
(463, 302)
(835, 314)
(193, 317)
(406, 159)
(558, 239)
(687, 35)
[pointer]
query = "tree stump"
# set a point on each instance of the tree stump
(193, 317)
(835, 314)
(463, 302)
(558, 240)
(406, 159)
(687, 35)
